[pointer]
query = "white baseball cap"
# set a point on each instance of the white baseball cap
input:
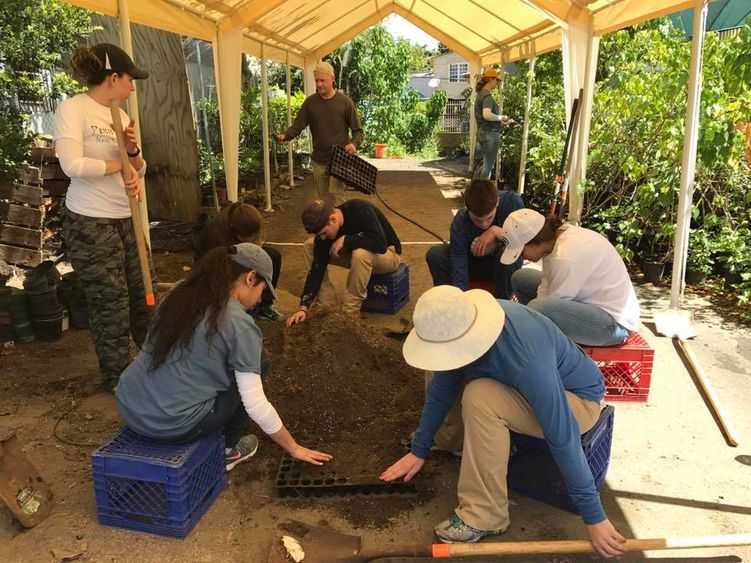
(519, 228)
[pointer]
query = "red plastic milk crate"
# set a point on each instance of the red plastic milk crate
(627, 369)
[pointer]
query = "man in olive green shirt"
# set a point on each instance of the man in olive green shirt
(331, 117)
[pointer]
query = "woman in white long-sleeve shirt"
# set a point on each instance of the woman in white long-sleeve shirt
(201, 367)
(97, 227)
(583, 287)
(489, 121)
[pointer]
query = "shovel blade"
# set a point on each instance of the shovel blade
(319, 544)
(28, 497)
(675, 323)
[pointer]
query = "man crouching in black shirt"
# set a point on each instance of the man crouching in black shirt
(354, 235)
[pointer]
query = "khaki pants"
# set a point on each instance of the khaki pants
(324, 182)
(489, 410)
(361, 263)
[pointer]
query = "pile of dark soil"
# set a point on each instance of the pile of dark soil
(343, 388)
(340, 386)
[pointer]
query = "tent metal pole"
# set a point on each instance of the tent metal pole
(501, 97)
(290, 151)
(525, 129)
(127, 44)
(265, 120)
(474, 70)
(688, 164)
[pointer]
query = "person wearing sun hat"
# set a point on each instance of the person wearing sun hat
(333, 120)
(583, 287)
(489, 121)
(523, 375)
(201, 368)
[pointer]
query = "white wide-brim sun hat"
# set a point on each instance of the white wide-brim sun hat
(452, 328)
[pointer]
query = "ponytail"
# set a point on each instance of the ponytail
(548, 231)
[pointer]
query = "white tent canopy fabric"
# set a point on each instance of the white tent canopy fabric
(299, 32)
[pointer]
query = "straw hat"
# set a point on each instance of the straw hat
(452, 328)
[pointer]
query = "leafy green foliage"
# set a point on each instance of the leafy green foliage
(373, 68)
(35, 35)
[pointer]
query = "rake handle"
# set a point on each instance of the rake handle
(135, 213)
(442, 551)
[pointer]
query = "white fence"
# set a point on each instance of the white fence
(455, 118)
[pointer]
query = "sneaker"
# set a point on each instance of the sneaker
(454, 530)
(244, 449)
(269, 313)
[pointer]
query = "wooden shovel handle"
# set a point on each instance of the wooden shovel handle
(443, 550)
(135, 212)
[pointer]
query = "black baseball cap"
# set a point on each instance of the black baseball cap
(115, 59)
(316, 215)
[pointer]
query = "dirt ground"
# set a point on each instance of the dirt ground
(342, 387)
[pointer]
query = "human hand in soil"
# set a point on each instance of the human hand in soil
(336, 248)
(309, 456)
(297, 318)
(408, 466)
(606, 539)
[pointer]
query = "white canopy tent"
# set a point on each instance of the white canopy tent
(300, 32)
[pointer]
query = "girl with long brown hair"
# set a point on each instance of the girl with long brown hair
(242, 222)
(201, 368)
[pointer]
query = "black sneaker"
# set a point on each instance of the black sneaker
(269, 313)
(245, 448)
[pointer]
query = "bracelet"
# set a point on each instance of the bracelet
(135, 154)
(302, 308)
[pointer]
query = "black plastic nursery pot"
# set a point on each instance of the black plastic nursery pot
(732, 278)
(49, 327)
(653, 271)
(695, 277)
(43, 302)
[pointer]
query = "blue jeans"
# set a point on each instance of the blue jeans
(487, 149)
(585, 324)
(480, 268)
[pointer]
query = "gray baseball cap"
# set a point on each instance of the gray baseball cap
(255, 258)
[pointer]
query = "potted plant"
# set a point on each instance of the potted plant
(699, 260)
(732, 254)
(656, 252)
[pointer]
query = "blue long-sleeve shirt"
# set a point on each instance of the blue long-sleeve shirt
(534, 357)
(464, 231)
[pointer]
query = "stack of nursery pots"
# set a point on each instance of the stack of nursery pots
(71, 294)
(47, 315)
(6, 323)
(17, 308)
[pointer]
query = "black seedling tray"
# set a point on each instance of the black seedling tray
(300, 479)
(353, 170)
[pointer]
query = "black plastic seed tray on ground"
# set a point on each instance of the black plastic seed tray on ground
(300, 479)
(353, 170)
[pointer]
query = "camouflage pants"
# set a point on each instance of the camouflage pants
(104, 254)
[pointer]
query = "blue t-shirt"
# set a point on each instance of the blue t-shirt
(534, 357)
(464, 231)
(169, 401)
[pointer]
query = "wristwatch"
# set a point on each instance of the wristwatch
(134, 154)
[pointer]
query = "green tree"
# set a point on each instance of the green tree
(36, 35)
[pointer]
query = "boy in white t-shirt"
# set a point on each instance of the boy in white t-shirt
(583, 288)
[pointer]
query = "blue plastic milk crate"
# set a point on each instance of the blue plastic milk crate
(532, 470)
(387, 293)
(163, 489)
